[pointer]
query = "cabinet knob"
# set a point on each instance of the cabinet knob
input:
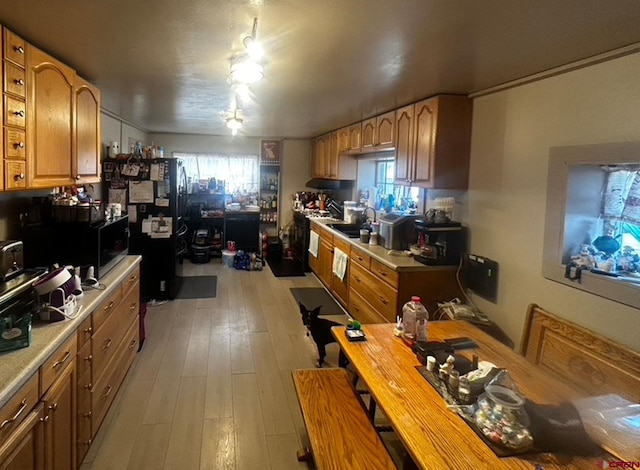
(88, 415)
(19, 49)
(19, 82)
(88, 386)
(53, 407)
(18, 177)
(19, 113)
(19, 145)
(88, 358)
(77, 177)
(45, 419)
(88, 330)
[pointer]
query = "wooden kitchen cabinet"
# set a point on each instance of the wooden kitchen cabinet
(433, 139)
(378, 133)
(86, 161)
(24, 448)
(329, 160)
(50, 120)
(355, 137)
(60, 421)
(321, 152)
(322, 264)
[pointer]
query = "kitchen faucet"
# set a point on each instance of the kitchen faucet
(364, 214)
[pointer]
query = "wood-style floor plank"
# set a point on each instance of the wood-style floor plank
(212, 387)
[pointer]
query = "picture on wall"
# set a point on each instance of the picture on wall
(270, 152)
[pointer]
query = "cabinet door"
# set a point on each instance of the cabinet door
(355, 132)
(24, 448)
(87, 132)
(385, 127)
(50, 121)
(368, 141)
(319, 155)
(426, 119)
(334, 156)
(60, 429)
(404, 144)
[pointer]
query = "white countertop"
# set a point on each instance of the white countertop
(17, 366)
(397, 262)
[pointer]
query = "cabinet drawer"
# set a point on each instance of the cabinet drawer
(107, 307)
(379, 294)
(15, 112)
(15, 174)
(131, 282)
(106, 387)
(18, 407)
(14, 80)
(327, 235)
(55, 365)
(361, 257)
(385, 273)
(84, 359)
(343, 245)
(362, 311)
(14, 48)
(85, 331)
(15, 144)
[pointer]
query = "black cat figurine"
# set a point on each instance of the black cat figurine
(320, 329)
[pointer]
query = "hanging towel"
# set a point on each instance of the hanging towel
(313, 244)
(340, 259)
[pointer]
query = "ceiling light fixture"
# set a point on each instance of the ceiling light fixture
(246, 70)
(234, 122)
(254, 48)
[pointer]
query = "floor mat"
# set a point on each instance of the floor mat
(312, 297)
(197, 287)
(285, 267)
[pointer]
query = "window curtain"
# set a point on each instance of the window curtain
(240, 172)
(621, 199)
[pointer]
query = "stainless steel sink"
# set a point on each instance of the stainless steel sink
(350, 230)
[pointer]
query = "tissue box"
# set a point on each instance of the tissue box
(15, 332)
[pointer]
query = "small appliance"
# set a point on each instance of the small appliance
(440, 244)
(397, 231)
(11, 259)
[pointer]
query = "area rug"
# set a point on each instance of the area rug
(312, 297)
(285, 267)
(197, 287)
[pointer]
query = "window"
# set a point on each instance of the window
(240, 172)
(593, 220)
(388, 194)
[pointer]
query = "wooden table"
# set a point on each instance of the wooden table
(436, 437)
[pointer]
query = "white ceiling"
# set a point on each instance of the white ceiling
(163, 64)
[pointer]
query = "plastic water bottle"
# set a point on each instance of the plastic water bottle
(414, 320)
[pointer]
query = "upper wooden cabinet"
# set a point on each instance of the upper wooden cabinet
(328, 159)
(50, 121)
(433, 139)
(378, 133)
(86, 164)
(355, 136)
(321, 150)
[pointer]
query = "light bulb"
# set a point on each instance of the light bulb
(245, 70)
(234, 131)
(254, 48)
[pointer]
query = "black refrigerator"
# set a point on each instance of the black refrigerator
(153, 194)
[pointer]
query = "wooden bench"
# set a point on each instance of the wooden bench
(588, 361)
(341, 434)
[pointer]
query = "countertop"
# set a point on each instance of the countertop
(400, 263)
(17, 366)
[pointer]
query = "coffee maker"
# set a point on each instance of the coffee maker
(440, 244)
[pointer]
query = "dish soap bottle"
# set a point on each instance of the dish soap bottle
(414, 319)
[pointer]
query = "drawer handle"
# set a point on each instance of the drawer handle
(19, 49)
(19, 113)
(382, 273)
(19, 82)
(88, 330)
(107, 345)
(89, 358)
(108, 392)
(133, 278)
(108, 307)
(133, 344)
(23, 406)
(64, 359)
(360, 258)
(133, 305)
(383, 300)
(19, 145)
(356, 278)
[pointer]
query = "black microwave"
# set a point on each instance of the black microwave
(100, 245)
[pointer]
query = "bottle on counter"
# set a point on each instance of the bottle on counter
(414, 320)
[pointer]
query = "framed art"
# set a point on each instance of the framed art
(270, 152)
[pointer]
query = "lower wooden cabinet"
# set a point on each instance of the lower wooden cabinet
(25, 447)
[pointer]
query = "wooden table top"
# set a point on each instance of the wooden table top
(436, 437)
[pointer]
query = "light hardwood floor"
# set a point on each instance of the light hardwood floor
(212, 388)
